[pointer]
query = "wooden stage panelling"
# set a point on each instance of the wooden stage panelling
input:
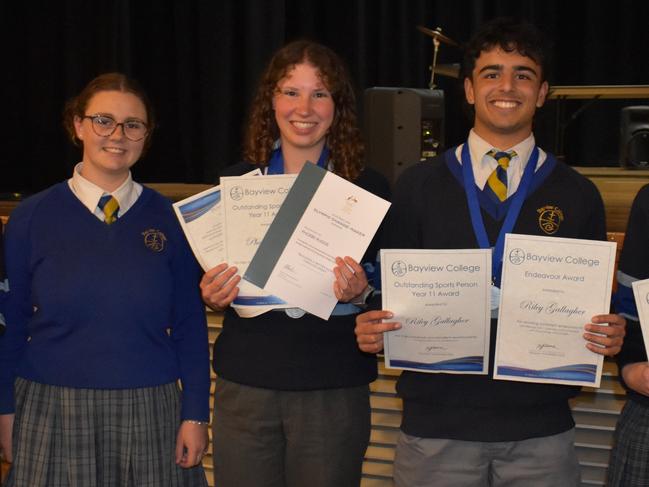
(618, 187)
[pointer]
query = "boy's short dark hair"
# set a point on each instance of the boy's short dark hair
(511, 36)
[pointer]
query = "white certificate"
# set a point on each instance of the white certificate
(323, 217)
(641, 295)
(201, 218)
(442, 300)
(250, 204)
(551, 288)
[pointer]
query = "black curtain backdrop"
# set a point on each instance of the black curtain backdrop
(200, 61)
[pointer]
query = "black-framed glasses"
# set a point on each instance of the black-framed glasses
(105, 126)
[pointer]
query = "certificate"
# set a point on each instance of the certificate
(442, 300)
(201, 218)
(641, 295)
(250, 204)
(551, 288)
(324, 216)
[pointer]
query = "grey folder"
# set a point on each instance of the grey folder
(280, 231)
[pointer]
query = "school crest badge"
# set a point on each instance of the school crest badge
(154, 240)
(550, 218)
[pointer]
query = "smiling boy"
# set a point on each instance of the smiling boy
(470, 430)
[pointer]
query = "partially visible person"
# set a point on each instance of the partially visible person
(104, 317)
(291, 403)
(472, 430)
(4, 285)
(629, 465)
(4, 289)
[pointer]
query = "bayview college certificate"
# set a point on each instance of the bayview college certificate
(324, 216)
(551, 288)
(250, 204)
(201, 218)
(442, 300)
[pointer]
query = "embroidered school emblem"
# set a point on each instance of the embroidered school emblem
(550, 218)
(154, 239)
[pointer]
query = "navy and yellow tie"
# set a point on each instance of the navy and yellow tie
(109, 205)
(497, 181)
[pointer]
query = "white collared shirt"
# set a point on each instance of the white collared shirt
(89, 193)
(484, 165)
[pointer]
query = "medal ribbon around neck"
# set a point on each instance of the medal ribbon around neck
(276, 163)
(512, 214)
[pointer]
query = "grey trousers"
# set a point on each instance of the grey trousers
(538, 462)
(269, 438)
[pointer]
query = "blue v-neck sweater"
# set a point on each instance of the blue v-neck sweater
(102, 306)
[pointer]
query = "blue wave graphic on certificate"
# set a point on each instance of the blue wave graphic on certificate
(197, 208)
(581, 372)
(471, 363)
(257, 300)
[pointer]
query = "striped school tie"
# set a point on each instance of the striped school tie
(497, 181)
(109, 205)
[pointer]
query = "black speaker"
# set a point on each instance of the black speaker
(634, 137)
(402, 127)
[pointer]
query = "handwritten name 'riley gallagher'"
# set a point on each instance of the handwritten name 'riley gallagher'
(552, 308)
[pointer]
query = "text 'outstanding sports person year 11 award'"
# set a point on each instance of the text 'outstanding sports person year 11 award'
(442, 300)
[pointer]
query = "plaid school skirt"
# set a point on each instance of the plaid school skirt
(629, 465)
(65, 437)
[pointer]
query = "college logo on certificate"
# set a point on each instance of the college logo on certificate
(517, 256)
(399, 268)
(236, 193)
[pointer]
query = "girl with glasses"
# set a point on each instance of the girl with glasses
(103, 318)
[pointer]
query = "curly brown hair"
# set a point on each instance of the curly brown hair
(76, 106)
(344, 141)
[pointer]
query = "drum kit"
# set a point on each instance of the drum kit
(451, 70)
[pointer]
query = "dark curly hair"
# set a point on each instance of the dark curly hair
(343, 139)
(76, 106)
(510, 35)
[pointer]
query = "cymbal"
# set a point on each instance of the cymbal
(437, 34)
(450, 70)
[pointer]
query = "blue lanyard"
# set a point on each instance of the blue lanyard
(512, 213)
(276, 163)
